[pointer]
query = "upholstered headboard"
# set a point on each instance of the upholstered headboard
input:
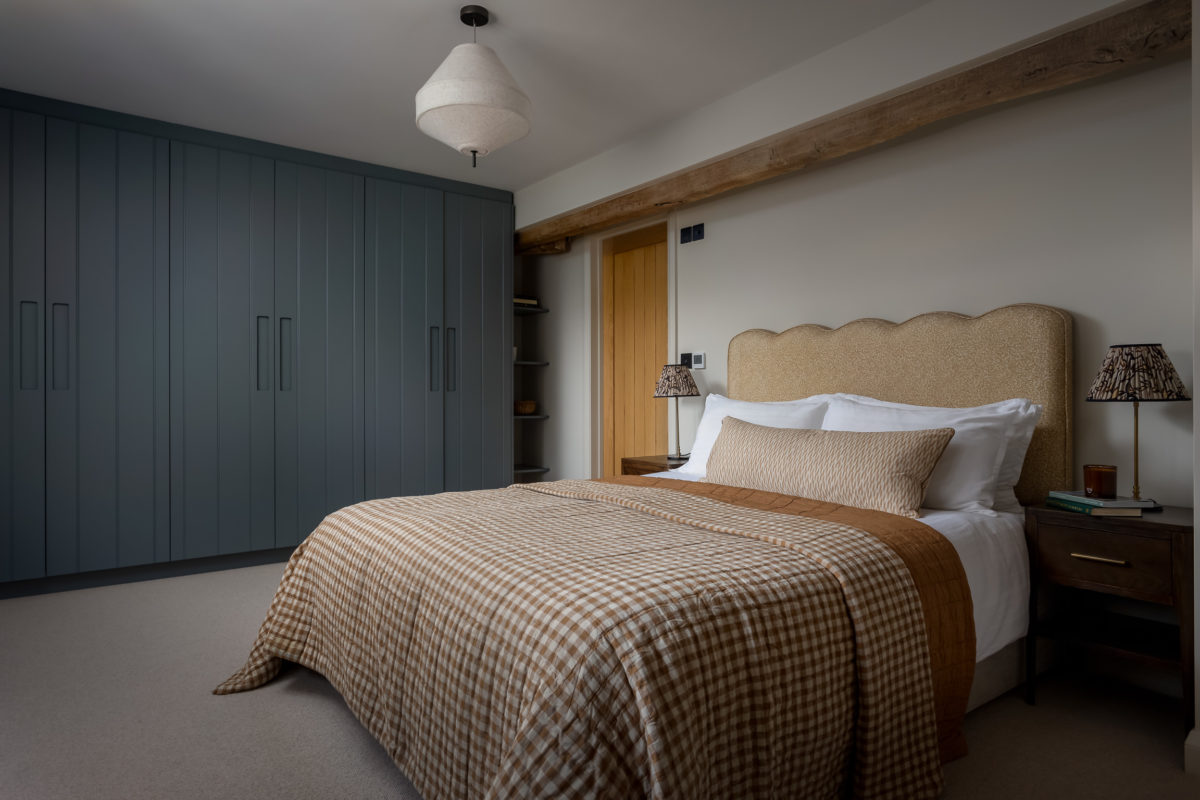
(938, 359)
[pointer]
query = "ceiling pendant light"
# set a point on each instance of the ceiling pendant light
(471, 102)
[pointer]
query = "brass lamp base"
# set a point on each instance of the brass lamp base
(1137, 489)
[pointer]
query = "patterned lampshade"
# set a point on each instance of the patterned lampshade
(1137, 372)
(676, 381)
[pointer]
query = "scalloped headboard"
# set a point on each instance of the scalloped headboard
(938, 359)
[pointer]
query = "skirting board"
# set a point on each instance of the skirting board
(1191, 752)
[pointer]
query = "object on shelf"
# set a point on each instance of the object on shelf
(526, 301)
(525, 407)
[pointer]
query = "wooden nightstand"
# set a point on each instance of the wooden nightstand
(1147, 558)
(640, 465)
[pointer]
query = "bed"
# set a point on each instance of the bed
(658, 637)
(1021, 350)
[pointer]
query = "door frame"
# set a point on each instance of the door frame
(598, 250)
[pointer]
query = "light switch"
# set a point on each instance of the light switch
(697, 360)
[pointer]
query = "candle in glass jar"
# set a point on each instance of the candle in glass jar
(1100, 481)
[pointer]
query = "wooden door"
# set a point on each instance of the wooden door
(635, 345)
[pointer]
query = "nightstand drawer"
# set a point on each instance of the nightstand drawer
(1133, 566)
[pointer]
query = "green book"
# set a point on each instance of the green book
(1095, 511)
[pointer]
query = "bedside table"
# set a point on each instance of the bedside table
(640, 465)
(1147, 558)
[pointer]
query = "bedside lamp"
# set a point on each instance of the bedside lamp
(1133, 373)
(676, 381)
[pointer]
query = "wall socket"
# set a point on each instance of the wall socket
(692, 360)
(691, 233)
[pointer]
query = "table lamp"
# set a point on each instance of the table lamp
(676, 381)
(1136, 373)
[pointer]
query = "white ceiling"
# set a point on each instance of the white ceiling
(339, 76)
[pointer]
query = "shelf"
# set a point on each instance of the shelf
(1148, 640)
(531, 416)
(524, 311)
(531, 363)
(529, 469)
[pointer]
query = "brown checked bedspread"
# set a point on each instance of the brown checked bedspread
(628, 638)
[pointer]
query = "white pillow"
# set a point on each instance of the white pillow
(1023, 415)
(1019, 436)
(965, 478)
(804, 413)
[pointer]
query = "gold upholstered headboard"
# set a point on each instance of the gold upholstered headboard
(938, 359)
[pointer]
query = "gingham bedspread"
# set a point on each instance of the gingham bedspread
(578, 639)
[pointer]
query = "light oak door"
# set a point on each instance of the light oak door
(635, 345)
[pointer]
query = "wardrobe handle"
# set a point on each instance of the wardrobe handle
(28, 345)
(285, 354)
(60, 347)
(434, 361)
(263, 354)
(451, 364)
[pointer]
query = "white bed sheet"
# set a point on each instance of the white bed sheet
(993, 554)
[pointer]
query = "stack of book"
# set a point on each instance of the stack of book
(1080, 503)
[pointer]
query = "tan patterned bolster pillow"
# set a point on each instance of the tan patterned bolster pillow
(886, 471)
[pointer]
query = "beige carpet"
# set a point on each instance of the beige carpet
(105, 693)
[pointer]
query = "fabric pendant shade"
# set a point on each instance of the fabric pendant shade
(472, 103)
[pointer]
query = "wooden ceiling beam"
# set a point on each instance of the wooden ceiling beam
(1152, 33)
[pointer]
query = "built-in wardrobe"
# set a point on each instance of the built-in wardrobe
(213, 343)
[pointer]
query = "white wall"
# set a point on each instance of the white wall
(940, 35)
(1081, 200)
(566, 343)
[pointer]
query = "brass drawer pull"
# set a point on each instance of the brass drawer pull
(1100, 559)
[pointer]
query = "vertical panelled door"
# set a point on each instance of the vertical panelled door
(106, 334)
(23, 414)
(405, 369)
(222, 464)
(319, 260)
(479, 439)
